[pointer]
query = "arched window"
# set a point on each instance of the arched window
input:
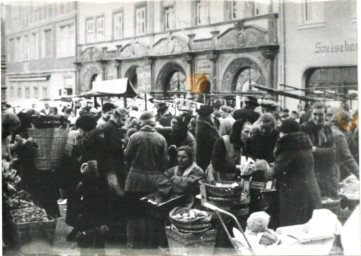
(247, 77)
(176, 81)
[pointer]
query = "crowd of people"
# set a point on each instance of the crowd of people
(117, 156)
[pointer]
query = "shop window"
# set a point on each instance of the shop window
(100, 28)
(140, 20)
(118, 25)
(331, 80)
(90, 30)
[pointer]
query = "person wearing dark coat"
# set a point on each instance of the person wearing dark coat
(206, 136)
(247, 113)
(227, 151)
(90, 148)
(324, 150)
(146, 154)
(262, 143)
(344, 159)
(297, 187)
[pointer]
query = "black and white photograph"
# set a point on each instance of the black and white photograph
(180, 127)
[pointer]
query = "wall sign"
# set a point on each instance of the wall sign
(331, 48)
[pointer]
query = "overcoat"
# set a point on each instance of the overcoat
(299, 193)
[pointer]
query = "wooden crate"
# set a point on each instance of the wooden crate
(191, 243)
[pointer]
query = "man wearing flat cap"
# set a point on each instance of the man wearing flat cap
(206, 136)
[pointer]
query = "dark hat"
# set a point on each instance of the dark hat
(86, 122)
(288, 126)
(205, 110)
(253, 100)
(217, 104)
(107, 107)
(147, 118)
(162, 106)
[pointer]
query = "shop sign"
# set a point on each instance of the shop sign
(332, 48)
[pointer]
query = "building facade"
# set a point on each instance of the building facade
(320, 47)
(3, 54)
(168, 48)
(41, 46)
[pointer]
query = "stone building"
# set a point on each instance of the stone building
(41, 49)
(169, 48)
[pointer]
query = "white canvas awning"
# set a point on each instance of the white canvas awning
(116, 87)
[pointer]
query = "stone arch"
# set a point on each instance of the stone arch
(132, 75)
(90, 73)
(236, 67)
(165, 72)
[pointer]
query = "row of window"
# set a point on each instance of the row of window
(27, 92)
(39, 11)
(95, 26)
(26, 47)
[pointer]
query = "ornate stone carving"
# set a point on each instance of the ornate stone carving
(88, 72)
(247, 37)
(90, 54)
(165, 71)
(170, 45)
(135, 49)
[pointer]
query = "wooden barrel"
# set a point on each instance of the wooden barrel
(51, 143)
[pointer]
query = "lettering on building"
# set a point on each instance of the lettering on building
(331, 48)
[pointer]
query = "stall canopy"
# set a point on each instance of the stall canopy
(116, 87)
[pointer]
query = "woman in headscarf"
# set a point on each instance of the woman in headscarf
(183, 178)
(227, 151)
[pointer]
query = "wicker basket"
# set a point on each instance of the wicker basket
(192, 243)
(200, 223)
(225, 192)
(51, 142)
(30, 231)
(333, 206)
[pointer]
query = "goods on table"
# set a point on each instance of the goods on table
(16, 203)
(350, 188)
(31, 214)
(269, 237)
(190, 220)
(225, 189)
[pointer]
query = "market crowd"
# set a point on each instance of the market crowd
(116, 156)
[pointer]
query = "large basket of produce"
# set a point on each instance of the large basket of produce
(190, 220)
(51, 143)
(225, 189)
(332, 203)
(29, 224)
(20, 199)
(159, 206)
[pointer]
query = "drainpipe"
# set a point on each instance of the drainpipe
(77, 71)
(283, 36)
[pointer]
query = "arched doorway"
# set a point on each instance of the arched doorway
(92, 80)
(240, 73)
(131, 74)
(171, 80)
(245, 78)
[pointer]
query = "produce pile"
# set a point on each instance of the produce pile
(190, 220)
(17, 202)
(31, 214)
